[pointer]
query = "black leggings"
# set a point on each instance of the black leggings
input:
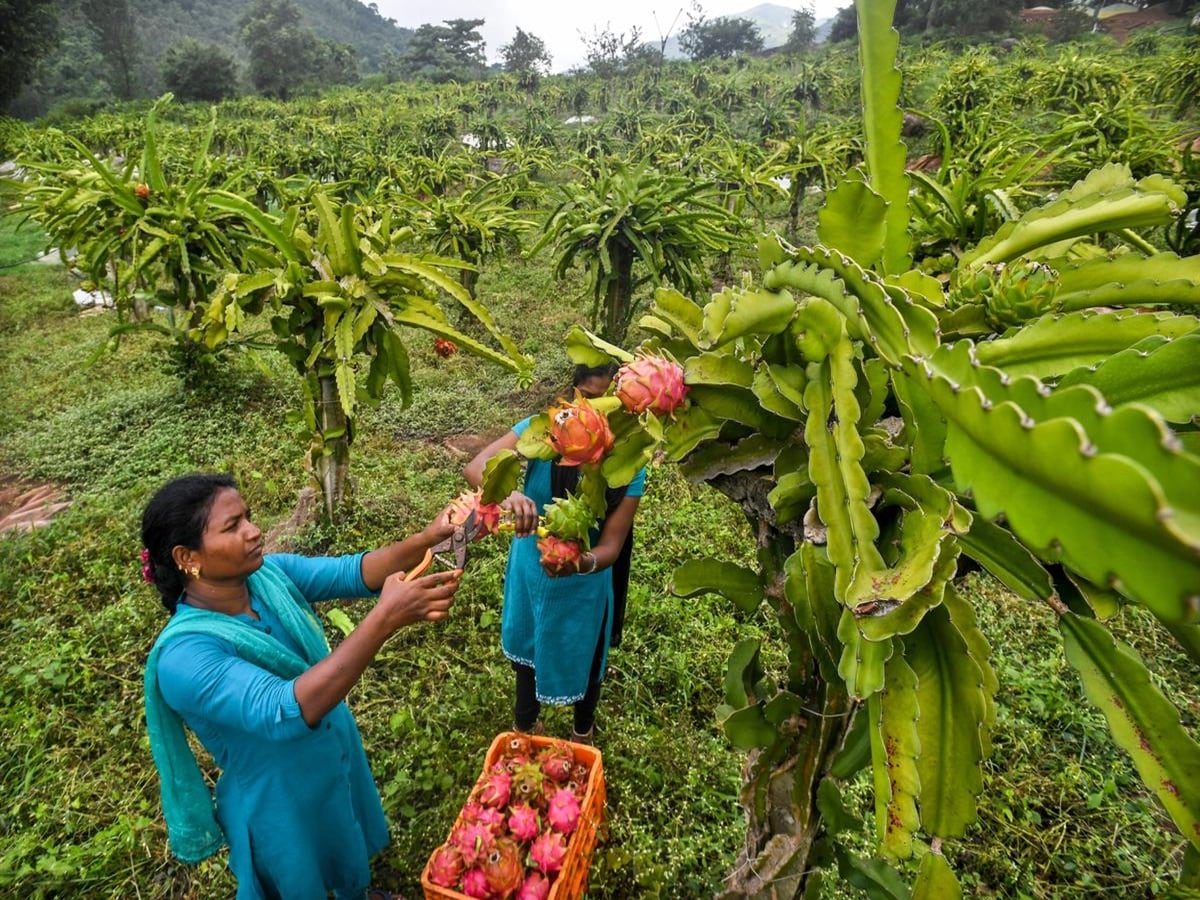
(526, 709)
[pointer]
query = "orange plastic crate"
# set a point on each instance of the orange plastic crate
(571, 883)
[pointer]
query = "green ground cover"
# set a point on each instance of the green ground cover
(1063, 813)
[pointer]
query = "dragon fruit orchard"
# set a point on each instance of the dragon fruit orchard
(513, 837)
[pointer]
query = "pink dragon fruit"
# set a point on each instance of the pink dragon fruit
(579, 433)
(473, 840)
(652, 383)
(503, 869)
(536, 887)
(495, 789)
(486, 514)
(547, 851)
(557, 761)
(475, 884)
(523, 822)
(514, 762)
(446, 866)
(557, 551)
(563, 811)
(476, 813)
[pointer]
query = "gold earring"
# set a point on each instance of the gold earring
(194, 571)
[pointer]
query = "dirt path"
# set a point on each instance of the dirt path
(1120, 26)
(25, 506)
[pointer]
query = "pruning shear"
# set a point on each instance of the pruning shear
(452, 552)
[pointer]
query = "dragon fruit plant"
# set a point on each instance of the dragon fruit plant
(513, 833)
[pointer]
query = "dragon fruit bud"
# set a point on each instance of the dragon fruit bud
(557, 761)
(475, 884)
(474, 841)
(523, 822)
(495, 789)
(446, 866)
(652, 383)
(536, 887)
(548, 850)
(579, 433)
(563, 811)
(556, 551)
(504, 869)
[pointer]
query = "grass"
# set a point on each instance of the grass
(1063, 813)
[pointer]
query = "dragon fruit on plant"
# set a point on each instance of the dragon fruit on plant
(536, 887)
(652, 383)
(486, 514)
(504, 869)
(446, 866)
(1011, 293)
(548, 850)
(556, 551)
(562, 812)
(570, 518)
(523, 822)
(579, 433)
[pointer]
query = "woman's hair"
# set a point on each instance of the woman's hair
(582, 373)
(177, 516)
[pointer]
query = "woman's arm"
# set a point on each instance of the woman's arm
(401, 603)
(523, 510)
(402, 555)
(608, 548)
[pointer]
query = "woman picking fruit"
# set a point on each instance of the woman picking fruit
(244, 664)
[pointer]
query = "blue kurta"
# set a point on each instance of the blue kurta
(298, 805)
(554, 625)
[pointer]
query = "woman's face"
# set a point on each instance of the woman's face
(594, 386)
(232, 545)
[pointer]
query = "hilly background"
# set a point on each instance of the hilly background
(74, 77)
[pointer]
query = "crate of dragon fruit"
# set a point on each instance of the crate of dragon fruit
(528, 829)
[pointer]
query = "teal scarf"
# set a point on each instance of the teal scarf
(188, 805)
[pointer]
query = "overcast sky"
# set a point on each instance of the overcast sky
(558, 22)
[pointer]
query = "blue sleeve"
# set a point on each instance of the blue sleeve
(202, 679)
(520, 427)
(638, 485)
(324, 577)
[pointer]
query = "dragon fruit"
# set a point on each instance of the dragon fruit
(475, 884)
(563, 811)
(556, 551)
(474, 841)
(475, 813)
(536, 887)
(579, 433)
(517, 745)
(652, 383)
(548, 850)
(523, 822)
(486, 514)
(495, 789)
(503, 869)
(557, 761)
(570, 518)
(446, 866)
(528, 784)
(514, 762)
(444, 347)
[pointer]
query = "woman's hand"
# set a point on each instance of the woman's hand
(424, 599)
(524, 513)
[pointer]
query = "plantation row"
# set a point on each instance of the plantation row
(989, 364)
